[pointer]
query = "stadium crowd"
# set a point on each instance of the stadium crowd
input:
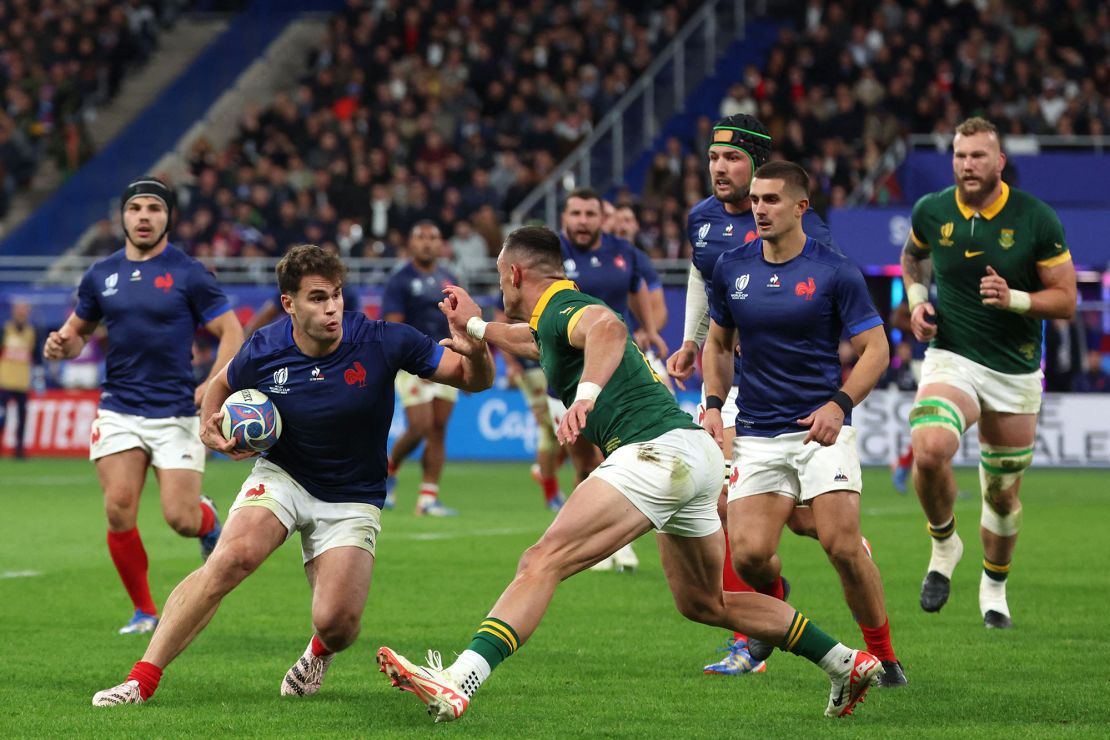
(59, 61)
(448, 111)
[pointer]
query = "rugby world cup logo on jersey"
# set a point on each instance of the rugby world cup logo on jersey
(570, 268)
(280, 378)
(110, 283)
(741, 283)
(702, 233)
(946, 234)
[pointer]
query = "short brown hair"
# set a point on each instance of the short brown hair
(977, 125)
(794, 176)
(583, 194)
(308, 259)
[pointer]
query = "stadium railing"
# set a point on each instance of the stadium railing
(636, 120)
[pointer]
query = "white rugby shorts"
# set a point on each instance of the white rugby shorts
(416, 391)
(989, 389)
(785, 466)
(173, 443)
(674, 480)
(323, 525)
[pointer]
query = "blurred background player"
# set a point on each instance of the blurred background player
(325, 477)
(527, 376)
(723, 221)
(613, 397)
(1002, 267)
(790, 298)
(412, 297)
(16, 351)
(610, 269)
(152, 298)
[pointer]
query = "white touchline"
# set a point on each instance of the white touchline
(20, 573)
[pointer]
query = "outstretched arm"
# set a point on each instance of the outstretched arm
(465, 317)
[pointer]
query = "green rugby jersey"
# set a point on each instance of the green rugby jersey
(634, 406)
(1015, 235)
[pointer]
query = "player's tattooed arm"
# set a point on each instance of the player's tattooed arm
(917, 274)
(917, 264)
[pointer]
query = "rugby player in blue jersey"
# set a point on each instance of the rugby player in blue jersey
(790, 298)
(331, 376)
(152, 298)
(412, 297)
(721, 222)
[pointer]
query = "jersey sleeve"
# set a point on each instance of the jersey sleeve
(410, 350)
(242, 370)
(815, 227)
(393, 298)
(559, 320)
(88, 304)
(918, 224)
(646, 271)
(853, 303)
(206, 297)
(1051, 248)
(716, 291)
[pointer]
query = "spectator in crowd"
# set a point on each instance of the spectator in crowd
(1063, 355)
(17, 346)
(1094, 379)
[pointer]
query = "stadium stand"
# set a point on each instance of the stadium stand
(416, 113)
(60, 61)
(907, 67)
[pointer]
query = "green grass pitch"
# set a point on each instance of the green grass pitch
(612, 659)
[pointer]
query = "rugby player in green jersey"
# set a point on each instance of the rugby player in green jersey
(661, 472)
(1001, 266)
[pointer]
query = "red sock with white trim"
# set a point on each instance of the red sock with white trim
(207, 519)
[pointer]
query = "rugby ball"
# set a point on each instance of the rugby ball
(251, 420)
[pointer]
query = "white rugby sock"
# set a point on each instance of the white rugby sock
(470, 669)
(838, 661)
(946, 554)
(992, 596)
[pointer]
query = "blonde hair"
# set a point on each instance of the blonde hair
(977, 125)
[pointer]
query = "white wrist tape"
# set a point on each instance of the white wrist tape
(917, 294)
(1020, 301)
(476, 328)
(587, 392)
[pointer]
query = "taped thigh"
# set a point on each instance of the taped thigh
(937, 413)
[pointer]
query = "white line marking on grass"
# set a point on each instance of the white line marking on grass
(49, 480)
(428, 536)
(20, 574)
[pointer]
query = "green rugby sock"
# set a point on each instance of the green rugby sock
(495, 640)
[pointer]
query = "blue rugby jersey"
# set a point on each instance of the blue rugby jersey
(712, 231)
(790, 318)
(416, 296)
(335, 410)
(151, 310)
(608, 273)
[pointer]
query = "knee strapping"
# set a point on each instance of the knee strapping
(937, 412)
(999, 469)
(547, 441)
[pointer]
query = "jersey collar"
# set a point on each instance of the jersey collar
(990, 211)
(555, 287)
